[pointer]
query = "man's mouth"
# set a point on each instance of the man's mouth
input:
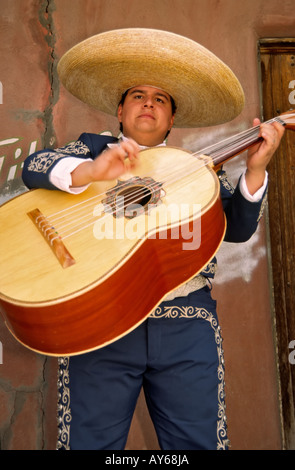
(147, 116)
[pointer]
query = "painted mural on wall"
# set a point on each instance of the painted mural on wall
(13, 151)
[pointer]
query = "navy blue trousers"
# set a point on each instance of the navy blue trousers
(176, 356)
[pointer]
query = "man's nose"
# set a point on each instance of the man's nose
(148, 103)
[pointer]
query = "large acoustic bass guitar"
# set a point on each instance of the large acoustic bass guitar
(78, 272)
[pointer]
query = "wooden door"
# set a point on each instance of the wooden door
(277, 64)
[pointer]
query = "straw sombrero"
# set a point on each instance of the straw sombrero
(101, 68)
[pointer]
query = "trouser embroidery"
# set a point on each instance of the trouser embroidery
(64, 411)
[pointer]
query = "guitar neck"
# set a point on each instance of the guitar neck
(221, 156)
(233, 146)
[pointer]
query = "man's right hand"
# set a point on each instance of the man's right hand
(111, 164)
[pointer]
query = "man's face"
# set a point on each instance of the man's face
(146, 115)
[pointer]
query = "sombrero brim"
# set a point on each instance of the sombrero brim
(101, 68)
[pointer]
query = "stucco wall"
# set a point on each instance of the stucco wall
(36, 112)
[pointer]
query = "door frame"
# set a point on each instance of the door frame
(282, 286)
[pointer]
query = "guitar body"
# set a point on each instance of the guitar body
(122, 264)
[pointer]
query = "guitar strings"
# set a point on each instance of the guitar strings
(88, 202)
(91, 218)
(214, 151)
(208, 150)
(215, 148)
(134, 198)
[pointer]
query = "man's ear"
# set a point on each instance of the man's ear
(119, 112)
(172, 121)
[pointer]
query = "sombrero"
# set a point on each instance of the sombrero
(99, 69)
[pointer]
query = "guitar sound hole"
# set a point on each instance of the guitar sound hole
(132, 197)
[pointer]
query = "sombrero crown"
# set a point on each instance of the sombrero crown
(100, 69)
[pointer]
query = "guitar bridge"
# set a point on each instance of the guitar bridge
(52, 238)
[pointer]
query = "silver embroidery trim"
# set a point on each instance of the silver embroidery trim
(64, 410)
(43, 161)
(74, 148)
(211, 268)
(226, 183)
(263, 205)
(64, 416)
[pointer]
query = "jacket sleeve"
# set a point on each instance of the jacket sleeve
(39, 165)
(242, 216)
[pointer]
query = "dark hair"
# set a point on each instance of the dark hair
(173, 106)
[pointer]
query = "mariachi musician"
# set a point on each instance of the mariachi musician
(152, 80)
